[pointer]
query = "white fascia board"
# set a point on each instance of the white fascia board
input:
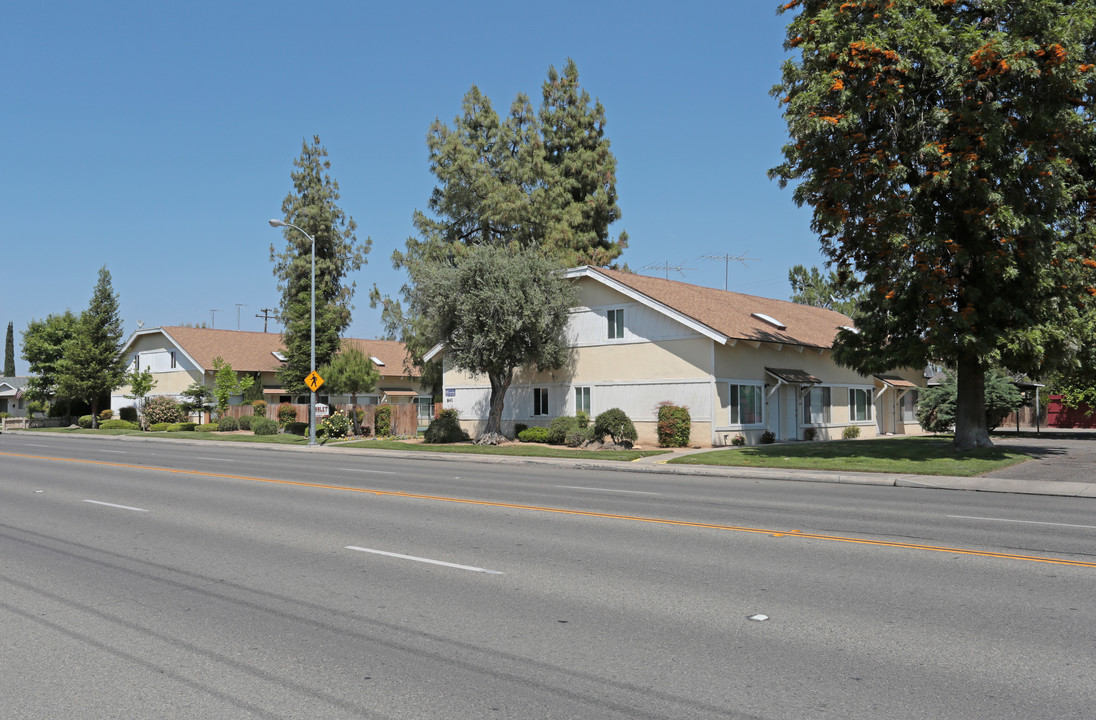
(433, 352)
(642, 299)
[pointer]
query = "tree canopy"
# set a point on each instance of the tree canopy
(824, 290)
(43, 348)
(312, 205)
(948, 152)
(351, 373)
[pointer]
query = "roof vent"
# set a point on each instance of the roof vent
(278, 354)
(771, 320)
(376, 361)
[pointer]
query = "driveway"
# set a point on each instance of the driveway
(1058, 455)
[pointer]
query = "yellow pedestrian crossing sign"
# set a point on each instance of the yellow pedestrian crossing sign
(313, 381)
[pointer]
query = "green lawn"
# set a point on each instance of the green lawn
(519, 449)
(909, 455)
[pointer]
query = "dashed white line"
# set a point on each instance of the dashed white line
(116, 452)
(423, 560)
(367, 470)
(1026, 522)
(121, 507)
(630, 492)
(202, 457)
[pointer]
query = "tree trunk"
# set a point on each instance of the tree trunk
(970, 404)
(354, 424)
(500, 383)
(95, 413)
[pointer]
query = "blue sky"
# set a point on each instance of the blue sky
(157, 138)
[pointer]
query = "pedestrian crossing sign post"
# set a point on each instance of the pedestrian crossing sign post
(313, 381)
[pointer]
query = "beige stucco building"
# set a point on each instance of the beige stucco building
(742, 364)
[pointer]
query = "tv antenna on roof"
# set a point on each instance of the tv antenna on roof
(727, 263)
(666, 267)
(213, 317)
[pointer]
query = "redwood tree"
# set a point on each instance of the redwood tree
(946, 148)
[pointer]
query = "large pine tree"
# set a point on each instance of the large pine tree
(948, 151)
(312, 205)
(92, 363)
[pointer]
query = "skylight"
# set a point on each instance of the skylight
(376, 361)
(771, 320)
(278, 355)
(850, 329)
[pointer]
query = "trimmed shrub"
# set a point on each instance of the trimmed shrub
(738, 440)
(161, 427)
(118, 425)
(767, 438)
(264, 426)
(560, 428)
(810, 433)
(851, 432)
(583, 419)
(286, 414)
(445, 428)
(106, 414)
(383, 421)
(336, 425)
(616, 425)
(674, 425)
(578, 438)
(296, 428)
(182, 427)
(534, 434)
(245, 421)
(228, 424)
(84, 421)
(207, 427)
(258, 407)
(518, 427)
(162, 409)
(128, 413)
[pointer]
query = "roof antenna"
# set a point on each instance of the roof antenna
(727, 263)
(667, 267)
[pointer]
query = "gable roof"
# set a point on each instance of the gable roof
(249, 351)
(731, 315)
(13, 386)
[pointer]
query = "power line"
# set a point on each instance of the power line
(267, 315)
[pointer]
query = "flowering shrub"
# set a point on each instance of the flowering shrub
(162, 409)
(336, 425)
(286, 413)
(738, 440)
(674, 425)
(258, 407)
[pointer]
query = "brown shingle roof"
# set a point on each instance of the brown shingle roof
(254, 351)
(732, 314)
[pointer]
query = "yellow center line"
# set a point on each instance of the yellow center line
(583, 513)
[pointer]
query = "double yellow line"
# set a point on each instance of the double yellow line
(587, 513)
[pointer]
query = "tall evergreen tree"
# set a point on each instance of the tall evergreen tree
(9, 352)
(824, 290)
(351, 373)
(92, 362)
(313, 206)
(43, 349)
(948, 151)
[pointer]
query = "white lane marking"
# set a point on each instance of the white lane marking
(117, 452)
(630, 492)
(36, 445)
(366, 470)
(122, 507)
(419, 559)
(1026, 522)
(202, 457)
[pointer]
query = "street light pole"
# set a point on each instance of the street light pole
(312, 400)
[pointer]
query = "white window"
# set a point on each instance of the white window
(582, 400)
(816, 406)
(616, 324)
(909, 407)
(859, 404)
(746, 403)
(540, 401)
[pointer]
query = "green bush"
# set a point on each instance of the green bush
(245, 421)
(84, 421)
(810, 434)
(445, 428)
(738, 440)
(106, 414)
(851, 432)
(227, 424)
(336, 425)
(383, 421)
(258, 407)
(207, 427)
(286, 414)
(534, 434)
(118, 425)
(296, 428)
(182, 427)
(767, 438)
(162, 409)
(264, 426)
(616, 425)
(560, 428)
(518, 427)
(674, 425)
(5, 415)
(160, 427)
(128, 413)
(579, 437)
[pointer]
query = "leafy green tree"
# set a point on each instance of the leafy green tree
(936, 406)
(9, 352)
(948, 152)
(140, 384)
(91, 362)
(312, 205)
(43, 348)
(351, 373)
(197, 398)
(532, 179)
(811, 287)
(227, 383)
(495, 310)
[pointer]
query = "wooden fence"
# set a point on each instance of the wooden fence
(405, 417)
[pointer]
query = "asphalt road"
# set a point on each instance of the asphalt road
(156, 579)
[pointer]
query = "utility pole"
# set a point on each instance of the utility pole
(238, 306)
(727, 263)
(213, 318)
(266, 315)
